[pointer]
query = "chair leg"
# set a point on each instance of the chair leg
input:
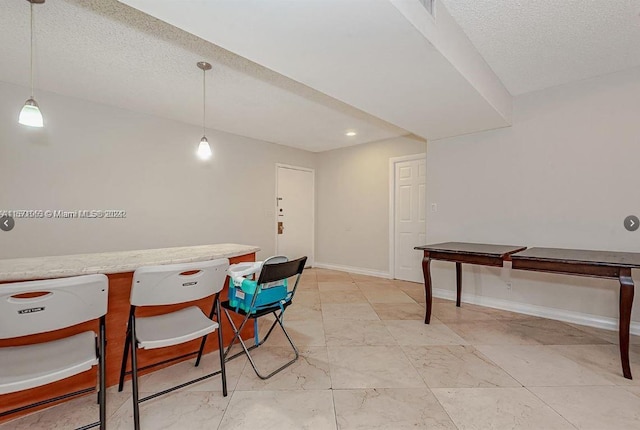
(278, 321)
(125, 356)
(236, 334)
(134, 374)
(102, 395)
(223, 371)
(204, 338)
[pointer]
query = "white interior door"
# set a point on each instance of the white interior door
(410, 218)
(295, 212)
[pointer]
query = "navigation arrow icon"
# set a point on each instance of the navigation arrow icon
(631, 223)
(7, 223)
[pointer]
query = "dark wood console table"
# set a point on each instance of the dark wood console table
(460, 252)
(597, 264)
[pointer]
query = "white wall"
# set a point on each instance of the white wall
(565, 175)
(352, 186)
(91, 156)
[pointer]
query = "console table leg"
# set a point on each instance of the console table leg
(626, 301)
(458, 283)
(426, 270)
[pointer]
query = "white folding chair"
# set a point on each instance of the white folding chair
(275, 270)
(167, 285)
(33, 307)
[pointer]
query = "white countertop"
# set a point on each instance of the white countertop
(21, 269)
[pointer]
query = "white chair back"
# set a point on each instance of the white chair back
(51, 304)
(174, 283)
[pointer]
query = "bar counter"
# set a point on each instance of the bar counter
(119, 267)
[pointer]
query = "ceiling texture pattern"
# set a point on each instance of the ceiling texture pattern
(303, 73)
(377, 55)
(536, 44)
(107, 52)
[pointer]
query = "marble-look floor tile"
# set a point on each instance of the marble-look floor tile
(610, 336)
(305, 306)
(502, 315)
(457, 366)
(309, 275)
(603, 360)
(407, 284)
(635, 390)
(342, 297)
(593, 408)
(390, 408)
(388, 297)
(541, 366)
(498, 409)
(366, 278)
(311, 286)
(307, 297)
(353, 333)
(550, 332)
(491, 333)
(69, 415)
(304, 333)
(178, 410)
(280, 410)
(184, 371)
(353, 311)
(399, 311)
(409, 332)
(371, 367)
(377, 288)
(309, 372)
(332, 276)
(418, 295)
(374, 281)
(337, 286)
(448, 313)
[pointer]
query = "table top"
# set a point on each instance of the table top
(581, 256)
(21, 269)
(472, 248)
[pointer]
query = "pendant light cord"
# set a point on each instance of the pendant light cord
(31, 56)
(204, 100)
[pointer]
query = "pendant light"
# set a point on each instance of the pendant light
(204, 150)
(30, 114)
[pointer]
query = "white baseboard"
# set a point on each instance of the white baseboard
(357, 270)
(580, 318)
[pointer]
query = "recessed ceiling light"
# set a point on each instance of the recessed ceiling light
(351, 133)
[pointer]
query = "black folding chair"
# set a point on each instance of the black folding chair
(274, 270)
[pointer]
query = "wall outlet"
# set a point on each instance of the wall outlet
(509, 286)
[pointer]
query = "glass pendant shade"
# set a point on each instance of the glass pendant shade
(204, 150)
(30, 114)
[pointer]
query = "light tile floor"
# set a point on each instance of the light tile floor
(368, 362)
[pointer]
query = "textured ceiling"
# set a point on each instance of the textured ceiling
(380, 56)
(107, 52)
(535, 44)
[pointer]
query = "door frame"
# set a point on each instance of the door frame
(311, 258)
(392, 206)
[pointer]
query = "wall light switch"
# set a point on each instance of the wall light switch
(434, 207)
